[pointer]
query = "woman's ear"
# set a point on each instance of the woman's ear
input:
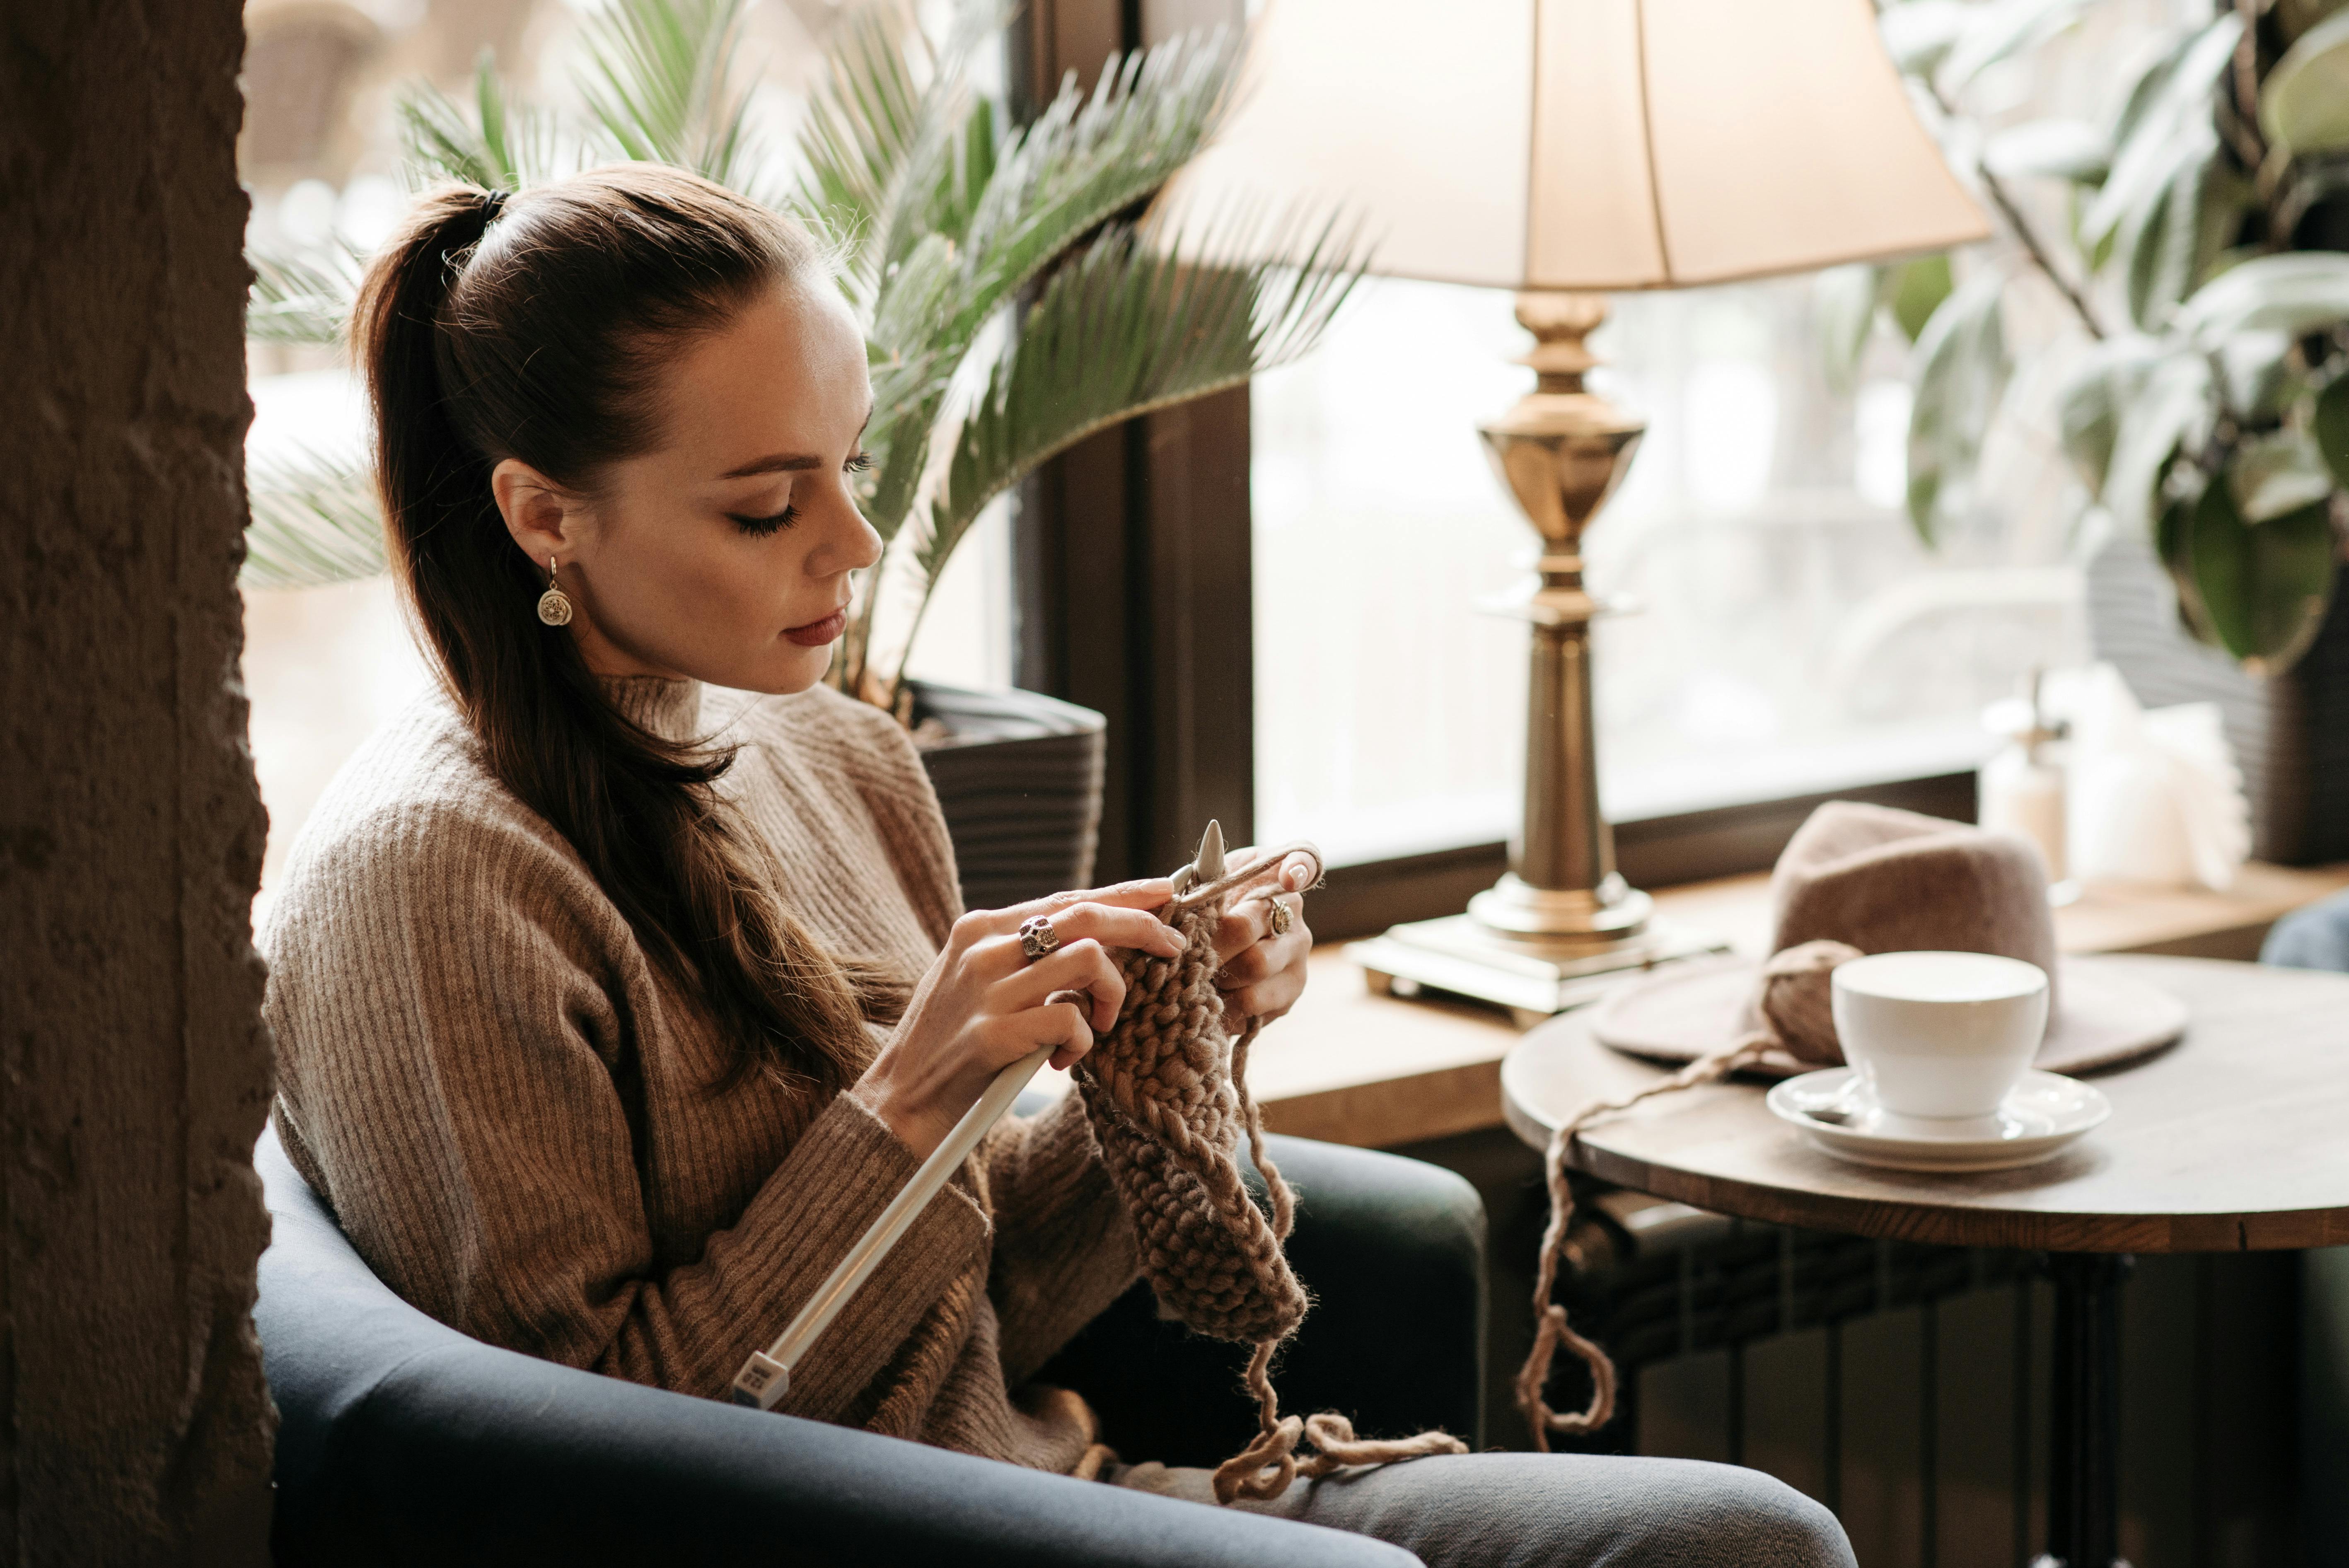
(542, 517)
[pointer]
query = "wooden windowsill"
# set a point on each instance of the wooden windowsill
(1352, 1068)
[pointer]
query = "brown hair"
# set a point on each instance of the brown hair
(533, 326)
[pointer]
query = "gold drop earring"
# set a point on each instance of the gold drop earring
(553, 605)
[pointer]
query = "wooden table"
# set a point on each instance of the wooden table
(2230, 1140)
(1378, 1071)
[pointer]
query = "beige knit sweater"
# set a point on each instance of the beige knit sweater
(508, 1111)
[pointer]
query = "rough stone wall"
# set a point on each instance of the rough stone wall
(134, 1074)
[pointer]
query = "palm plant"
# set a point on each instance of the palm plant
(1013, 303)
(2200, 266)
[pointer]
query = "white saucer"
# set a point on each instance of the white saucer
(1835, 1111)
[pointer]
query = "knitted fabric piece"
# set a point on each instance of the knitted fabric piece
(1167, 1093)
(1167, 1109)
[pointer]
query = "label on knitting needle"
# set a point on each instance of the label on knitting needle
(763, 1382)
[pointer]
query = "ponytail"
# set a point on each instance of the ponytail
(478, 344)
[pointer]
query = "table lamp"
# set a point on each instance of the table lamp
(1563, 149)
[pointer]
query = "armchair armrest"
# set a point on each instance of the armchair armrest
(402, 1441)
(1392, 1251)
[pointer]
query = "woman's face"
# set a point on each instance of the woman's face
(724, 553)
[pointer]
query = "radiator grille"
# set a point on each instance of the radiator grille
(1905, 1386)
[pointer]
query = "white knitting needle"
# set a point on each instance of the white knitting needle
(766, 1376)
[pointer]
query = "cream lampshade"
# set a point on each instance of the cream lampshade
(1591, 145)
(1561, 149)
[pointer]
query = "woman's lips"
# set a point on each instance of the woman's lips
(816, 633)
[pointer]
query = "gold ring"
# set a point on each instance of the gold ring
(1282, 917)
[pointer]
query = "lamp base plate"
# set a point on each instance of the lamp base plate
(1534, 978)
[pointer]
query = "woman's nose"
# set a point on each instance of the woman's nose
(854, 545)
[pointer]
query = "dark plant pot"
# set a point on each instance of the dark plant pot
(1019, 777)
(2290, 732)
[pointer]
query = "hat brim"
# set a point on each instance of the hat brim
(2105, 1016)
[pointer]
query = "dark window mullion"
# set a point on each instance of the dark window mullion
(1131, 555)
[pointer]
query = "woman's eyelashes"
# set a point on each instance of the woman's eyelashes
(856, 464)
(767, 524)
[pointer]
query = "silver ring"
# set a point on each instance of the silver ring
(1036, 936)
(1282, 917)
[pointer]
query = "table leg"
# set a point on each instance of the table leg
(2084, 1461)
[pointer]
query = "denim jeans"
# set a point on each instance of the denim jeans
(1552, 1510)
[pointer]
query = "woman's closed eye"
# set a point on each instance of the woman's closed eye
(857, 463)
(767, 524)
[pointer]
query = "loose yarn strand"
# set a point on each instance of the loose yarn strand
(1550, 1326)
(1284, 1200)
(1167, 1091)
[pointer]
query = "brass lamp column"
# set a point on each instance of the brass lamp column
(1562, 450)
(1562, 924)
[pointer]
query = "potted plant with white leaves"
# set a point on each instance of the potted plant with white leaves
(1012, 306)
(2195, 258)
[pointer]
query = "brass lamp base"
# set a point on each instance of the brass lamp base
(1534, 977)
(1514, 907)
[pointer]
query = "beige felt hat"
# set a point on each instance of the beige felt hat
(1876, 880)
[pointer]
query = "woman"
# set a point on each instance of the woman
(620, 985)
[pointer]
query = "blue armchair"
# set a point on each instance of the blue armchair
(402, 1441)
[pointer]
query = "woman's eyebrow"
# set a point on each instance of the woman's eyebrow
(782, 462)
(788, 462)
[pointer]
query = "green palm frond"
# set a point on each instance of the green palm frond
(912, 363)
(1128, 326)
(494, 142)
(297, 299)
(987, 227)
(947, 158)
(314, 522)
(1124, 328)
(1090, 156)
(660, 82)
(862, 123)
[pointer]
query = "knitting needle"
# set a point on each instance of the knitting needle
(1207, 864)
(766, 1376)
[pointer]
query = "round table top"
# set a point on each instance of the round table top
(2232, 1139)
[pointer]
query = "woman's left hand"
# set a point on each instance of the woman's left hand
(1263, 975)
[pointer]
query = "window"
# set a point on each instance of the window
(1791, 633)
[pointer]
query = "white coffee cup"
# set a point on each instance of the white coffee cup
(1939, 1036)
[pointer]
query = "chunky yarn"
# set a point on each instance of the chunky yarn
(1166, 1090)
(1797, 1001)
(1795, 1004)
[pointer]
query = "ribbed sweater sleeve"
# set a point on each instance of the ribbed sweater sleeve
(461, 1109)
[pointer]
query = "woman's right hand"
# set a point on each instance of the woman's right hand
(983, 1005)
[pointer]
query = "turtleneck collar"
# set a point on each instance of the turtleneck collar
(669, 708)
